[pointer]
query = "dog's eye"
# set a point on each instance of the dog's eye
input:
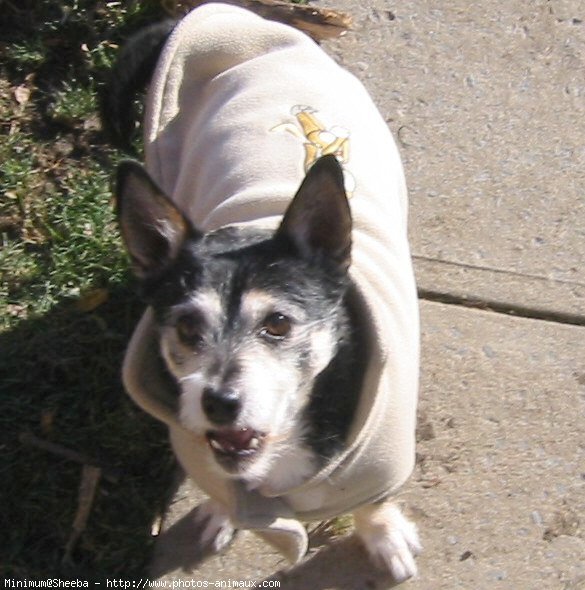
(276, 326)
(189, 330)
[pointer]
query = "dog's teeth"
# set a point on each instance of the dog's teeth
(254, 443)
(215, 444)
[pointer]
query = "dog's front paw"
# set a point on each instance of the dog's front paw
(216, 528)
(390, 539)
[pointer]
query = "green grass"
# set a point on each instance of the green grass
(60, 350)
(73, 104)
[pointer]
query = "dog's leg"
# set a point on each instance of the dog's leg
(216, 528)
(390, 539)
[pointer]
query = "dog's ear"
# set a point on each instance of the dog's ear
(318, 220)
(152, 227)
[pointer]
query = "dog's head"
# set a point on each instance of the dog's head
(247, 319)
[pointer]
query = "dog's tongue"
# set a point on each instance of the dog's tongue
(233, 440)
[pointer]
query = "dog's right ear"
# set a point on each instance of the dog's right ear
(152, 227)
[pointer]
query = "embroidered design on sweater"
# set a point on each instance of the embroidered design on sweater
(320, 140)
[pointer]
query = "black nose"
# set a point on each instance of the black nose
(221, 406)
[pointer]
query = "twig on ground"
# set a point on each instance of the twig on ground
(319, 23)
(90, 477)
(8, 4)
(29, 439)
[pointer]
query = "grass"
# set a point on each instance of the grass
(67, 305)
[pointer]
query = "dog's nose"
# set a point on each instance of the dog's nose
(221, 406)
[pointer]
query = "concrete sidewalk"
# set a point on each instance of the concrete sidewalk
(487, 101)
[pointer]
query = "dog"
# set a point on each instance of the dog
(280, 342)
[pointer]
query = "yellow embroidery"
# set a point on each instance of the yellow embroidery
(320, 140)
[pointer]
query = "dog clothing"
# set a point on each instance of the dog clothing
(238, 109)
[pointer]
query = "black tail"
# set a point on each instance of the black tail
(129, 76)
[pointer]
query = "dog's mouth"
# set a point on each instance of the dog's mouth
(235, 447)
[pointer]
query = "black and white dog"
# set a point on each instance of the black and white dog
(280, 344)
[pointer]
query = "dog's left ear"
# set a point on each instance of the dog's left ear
(318, 220)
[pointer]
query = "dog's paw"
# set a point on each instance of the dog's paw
(390, 539)
(216, 528)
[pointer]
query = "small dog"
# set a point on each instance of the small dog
(261, 345)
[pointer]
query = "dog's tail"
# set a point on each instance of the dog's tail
(129, 76)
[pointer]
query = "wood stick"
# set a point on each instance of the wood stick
(90, 477)
(29, 439)
(319, 23)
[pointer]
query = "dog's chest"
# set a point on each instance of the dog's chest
(290, 471)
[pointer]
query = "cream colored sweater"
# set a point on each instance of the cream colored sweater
(238, 109)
